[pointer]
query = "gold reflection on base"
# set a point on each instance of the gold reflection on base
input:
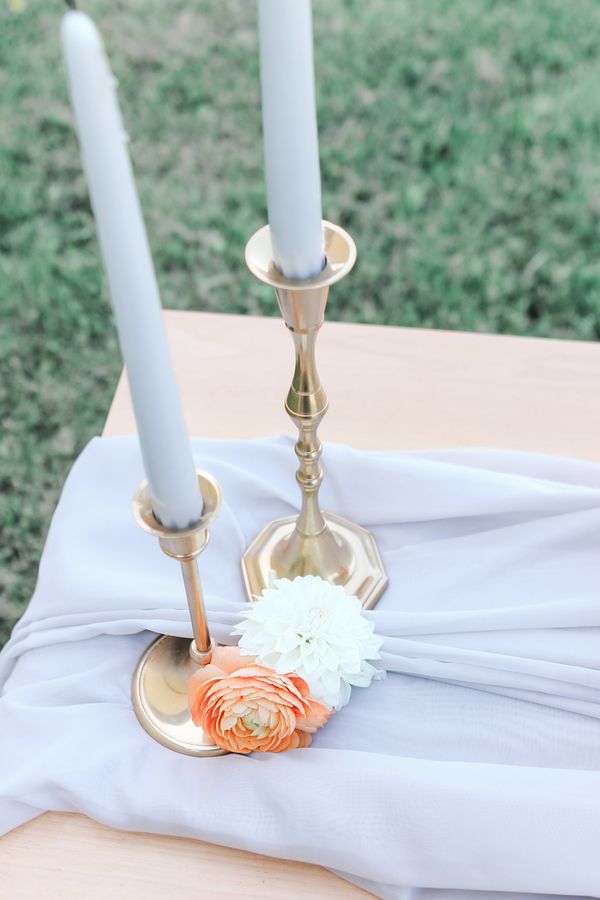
(160, 699)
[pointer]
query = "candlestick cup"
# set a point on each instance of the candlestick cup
(160, 682)
(314, 542)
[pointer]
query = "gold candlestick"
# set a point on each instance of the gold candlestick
(312, 543)
(159, 689)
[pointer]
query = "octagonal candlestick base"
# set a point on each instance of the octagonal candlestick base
(312, 543)
(160, 683)
(344, 553)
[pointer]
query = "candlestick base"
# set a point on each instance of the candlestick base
(160, 697)
(343, 553)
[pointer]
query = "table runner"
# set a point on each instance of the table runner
(475, 766)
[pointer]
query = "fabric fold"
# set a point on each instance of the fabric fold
(475, 766)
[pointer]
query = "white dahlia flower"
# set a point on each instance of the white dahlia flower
(315, 629)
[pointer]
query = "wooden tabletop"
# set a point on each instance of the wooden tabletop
(389, 388)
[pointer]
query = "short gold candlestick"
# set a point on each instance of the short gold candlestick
(159, 689)
(312, 543)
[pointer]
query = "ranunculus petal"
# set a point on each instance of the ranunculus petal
(229, 659)
(304, 738)
(252, 707)
(204, 674)
(315, 716)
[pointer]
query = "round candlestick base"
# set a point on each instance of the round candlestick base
(343, 553)
(160, 698)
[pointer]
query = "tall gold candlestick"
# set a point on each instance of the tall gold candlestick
(312, 543)
(159, 689)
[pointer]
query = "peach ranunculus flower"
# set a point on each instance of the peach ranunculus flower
(243, 706)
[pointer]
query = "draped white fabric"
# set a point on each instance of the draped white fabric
(474, 767)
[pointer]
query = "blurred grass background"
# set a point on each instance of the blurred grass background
(460, 144)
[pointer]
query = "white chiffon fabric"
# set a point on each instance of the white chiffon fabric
(472, 771)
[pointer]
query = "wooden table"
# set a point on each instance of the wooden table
(390, 388)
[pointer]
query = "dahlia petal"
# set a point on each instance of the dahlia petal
(286, 643)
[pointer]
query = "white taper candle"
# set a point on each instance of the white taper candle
(134, 292)
(291, 144)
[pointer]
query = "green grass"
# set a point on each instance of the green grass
(460, 144)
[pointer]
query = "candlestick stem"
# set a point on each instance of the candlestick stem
(312, 547)
(306, 405)
(312, 543)
(201, 645)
